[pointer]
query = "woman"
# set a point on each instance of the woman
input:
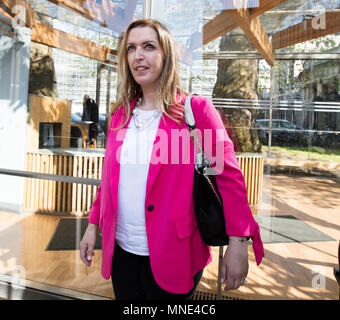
(151, 246)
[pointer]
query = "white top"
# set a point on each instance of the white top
(134, 166)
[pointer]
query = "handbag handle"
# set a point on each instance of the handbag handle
(189, 115)
(200, 158)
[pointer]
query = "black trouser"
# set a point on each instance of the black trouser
(132, 279)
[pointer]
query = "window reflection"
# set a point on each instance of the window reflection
(283, 120)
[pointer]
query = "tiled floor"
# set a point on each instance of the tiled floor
(290, 269)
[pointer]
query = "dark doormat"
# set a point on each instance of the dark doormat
(275, 229)
(69, 233)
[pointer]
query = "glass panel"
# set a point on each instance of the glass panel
(310, 109)
(187, 34)
(14, 62)
(42, 93)
(293, 113)
(104, 17)
(284, 122)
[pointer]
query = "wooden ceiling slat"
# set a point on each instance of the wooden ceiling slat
(30, 13)
(109, 11)
(223, 24)
(255, 32)
(264, 6)
(76, 6)
(54, 38)
(218, 26)
(304, 31)
(4, 13)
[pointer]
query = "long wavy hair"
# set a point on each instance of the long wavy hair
(168, 90)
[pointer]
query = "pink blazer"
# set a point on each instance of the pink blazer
(176, 249)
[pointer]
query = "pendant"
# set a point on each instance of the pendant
(143, 123)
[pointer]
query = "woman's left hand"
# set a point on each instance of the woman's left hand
(235, 263)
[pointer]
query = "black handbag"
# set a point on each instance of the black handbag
(207, 200)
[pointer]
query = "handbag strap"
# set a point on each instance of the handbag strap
(189, 115)
(200, 158)
(190, 121)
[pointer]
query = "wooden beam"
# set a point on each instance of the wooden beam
(264, 6)
(223, 24)
(115, 18)
(254, 30)
(8, 6)
(108, 13)
(6, 14)
(304, 31)
(217, 27)
(77, 6)
(54, 38)
(6, 24)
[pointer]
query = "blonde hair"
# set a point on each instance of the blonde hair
(169, 92)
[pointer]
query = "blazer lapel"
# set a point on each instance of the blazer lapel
(162, 149)
(116, 141)
(160, 152)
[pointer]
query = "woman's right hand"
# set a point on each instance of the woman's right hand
(87, 243)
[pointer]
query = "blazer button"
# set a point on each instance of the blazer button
(150, 207)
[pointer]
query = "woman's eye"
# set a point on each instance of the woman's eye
(129, 48)
(149, 46)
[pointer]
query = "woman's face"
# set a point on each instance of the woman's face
(145, 56)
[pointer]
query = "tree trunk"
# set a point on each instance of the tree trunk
(42, 79)
(238, 79)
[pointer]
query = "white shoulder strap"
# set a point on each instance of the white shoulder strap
(189, 115)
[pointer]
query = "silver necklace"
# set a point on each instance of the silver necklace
(142, 123)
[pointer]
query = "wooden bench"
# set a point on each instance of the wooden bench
(303, 163)
(252, 166)
(71, 198)
(62, 197)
